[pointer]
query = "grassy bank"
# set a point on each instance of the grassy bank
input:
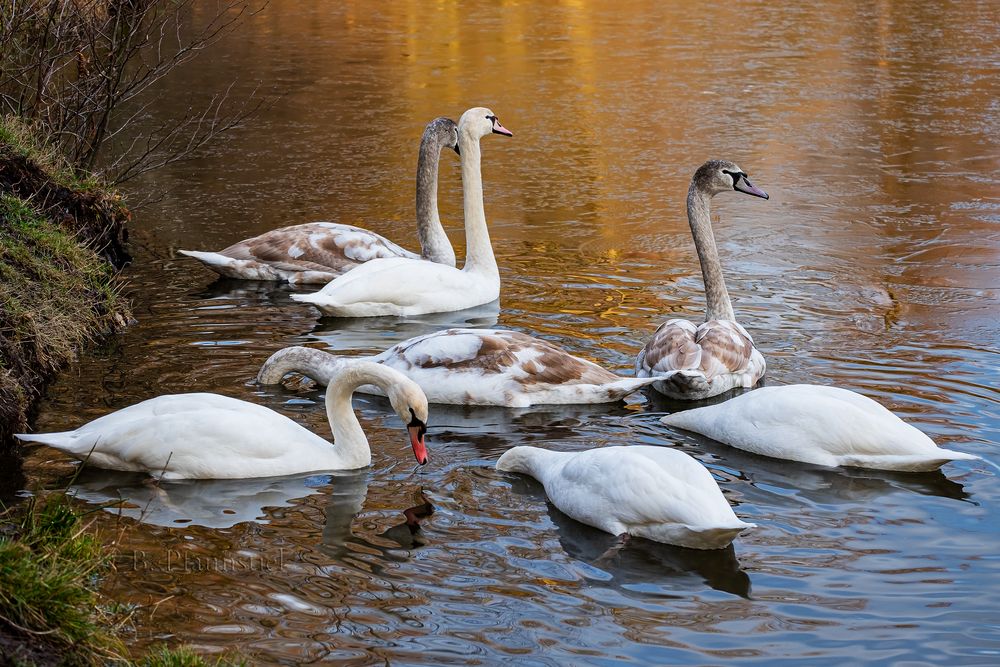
(50, 611)
(60, 237)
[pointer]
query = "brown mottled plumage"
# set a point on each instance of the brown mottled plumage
(476, 367)
(698, 362)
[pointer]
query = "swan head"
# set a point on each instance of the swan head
(410, 403)
(480, 121)
(717, 176)
(516, 459)
(443, 133)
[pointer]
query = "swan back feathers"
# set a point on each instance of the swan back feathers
(494, 352)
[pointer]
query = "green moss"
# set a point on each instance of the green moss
(184, 657)
(49, 567)
(51, 612)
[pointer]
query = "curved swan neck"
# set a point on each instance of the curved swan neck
(348, 438)
(434, 243)
(479, 252)
(533, 461)
(318, 365)
(719, 307)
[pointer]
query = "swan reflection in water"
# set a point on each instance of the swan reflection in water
(212, 503)
(224, 503)
(639, 561)
(347, 501)
(343, 334)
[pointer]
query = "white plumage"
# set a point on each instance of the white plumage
(208, 436)
(657, 493)
(399, 286)
(826, 426)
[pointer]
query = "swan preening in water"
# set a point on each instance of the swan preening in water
(695, 362)
(826, 426)
(402, 286)
(318, 252)
(657, 493)
(208, 436)
(473, 367)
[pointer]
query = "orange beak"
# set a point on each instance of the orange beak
(417, 431)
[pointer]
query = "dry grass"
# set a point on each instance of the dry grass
(56, 293)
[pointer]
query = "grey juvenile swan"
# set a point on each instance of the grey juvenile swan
(697, 362)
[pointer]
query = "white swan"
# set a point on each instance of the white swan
(474, 367)
(400, 286)
(318, 252)
(208, 436)
(641, 491)
(695, 362)
(825, 426)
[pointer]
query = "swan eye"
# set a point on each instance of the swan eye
(492, 119)
(735, 175)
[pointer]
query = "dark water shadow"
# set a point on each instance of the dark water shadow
(12, 479)
(640, 561)
(365, 333)
(261, 290)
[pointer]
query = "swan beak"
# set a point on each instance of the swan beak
(416, 432)
(744, 185)
(500, 129)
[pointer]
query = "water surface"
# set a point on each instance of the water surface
(874, 266)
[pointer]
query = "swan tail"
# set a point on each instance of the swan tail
(213, 260)
(313, 298)
(683, 384)
(716, 537)
(67, 441)
(907, 462)
(621, 388)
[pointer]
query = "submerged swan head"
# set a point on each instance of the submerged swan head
(442, 133)
(410, 403)
(717, 176)
(480, 121)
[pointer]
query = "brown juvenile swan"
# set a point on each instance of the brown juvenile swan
(318, 252)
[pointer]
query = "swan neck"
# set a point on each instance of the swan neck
(534, 461)
(479, 251)
(315, 364)
(349, 439)
(719, 307)
(434, 243)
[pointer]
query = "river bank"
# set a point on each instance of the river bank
(62, 238)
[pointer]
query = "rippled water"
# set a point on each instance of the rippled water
(874, 266)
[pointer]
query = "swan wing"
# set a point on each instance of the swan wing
(194, 436)
(641, 486)
(527, 360)
(497, 367)
(717, 347)
(397, 280)
(317, 246)
(816, 424)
